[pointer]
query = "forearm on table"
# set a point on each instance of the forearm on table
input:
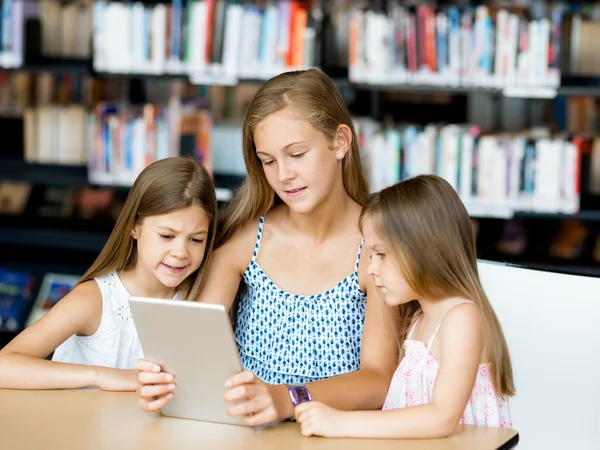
(18, 371)
(423, 421)
(362, 389)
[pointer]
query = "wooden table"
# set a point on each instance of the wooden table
(95, 420)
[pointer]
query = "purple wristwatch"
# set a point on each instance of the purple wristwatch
(299, 394)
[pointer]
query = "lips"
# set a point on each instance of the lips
(174, 269)
(295, 191)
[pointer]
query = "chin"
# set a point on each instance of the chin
(395, 301)
(171, 282)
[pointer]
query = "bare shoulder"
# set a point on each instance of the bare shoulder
(86, 293)
(85, 301)
(239, 248)
(464, 318)
(79, 312)
(464, 309)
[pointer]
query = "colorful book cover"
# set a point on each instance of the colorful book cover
(16, 291)
(54, 287)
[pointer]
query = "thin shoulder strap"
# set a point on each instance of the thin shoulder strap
(358, 256)
(261, 224)
(440, 324)
(412, 329)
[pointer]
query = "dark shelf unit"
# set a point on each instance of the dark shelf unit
(71, 66)
(60, 239)
(52, 174)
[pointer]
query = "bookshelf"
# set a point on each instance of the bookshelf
(379, 77)
(16, 169)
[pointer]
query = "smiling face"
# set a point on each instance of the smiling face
(171, 247)
(384, 268)
(299, 162)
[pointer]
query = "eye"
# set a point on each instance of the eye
(197, 241)
(381, 255)
(268, 163)
(298, 155)
(165, 236)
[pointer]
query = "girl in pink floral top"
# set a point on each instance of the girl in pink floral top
(454, 362)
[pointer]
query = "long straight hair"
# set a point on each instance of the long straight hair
(431, 236)
(165, 186)
(315, 98)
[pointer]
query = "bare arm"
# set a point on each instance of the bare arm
(227, 266)
(461, 346)
(22, 363)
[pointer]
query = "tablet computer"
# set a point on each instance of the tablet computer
(195, 342)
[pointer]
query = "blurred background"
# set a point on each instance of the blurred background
(498, 97)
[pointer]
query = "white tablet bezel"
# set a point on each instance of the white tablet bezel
(194, 341)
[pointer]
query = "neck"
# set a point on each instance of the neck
(432, 310)
(326, 219)
(139, 283)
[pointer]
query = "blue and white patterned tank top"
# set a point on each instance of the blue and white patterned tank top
(286, 338)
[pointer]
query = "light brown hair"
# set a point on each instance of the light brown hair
(431, 236)
(165, 186)
(315, 98)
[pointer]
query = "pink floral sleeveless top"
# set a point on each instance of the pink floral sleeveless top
(413, 381)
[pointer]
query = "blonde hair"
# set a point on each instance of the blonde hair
(431, 235)
(163, 187)
(315, 99)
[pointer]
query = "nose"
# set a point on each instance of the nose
(179, 249)
(373, 268)
(284, 173)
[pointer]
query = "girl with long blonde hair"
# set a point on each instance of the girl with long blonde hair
(455, 366)
(309, 321)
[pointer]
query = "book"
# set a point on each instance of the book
(55, 286)
(16, 293)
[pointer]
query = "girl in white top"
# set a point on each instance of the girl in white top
(455, 366)
(159, 248)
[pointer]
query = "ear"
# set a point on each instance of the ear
(342, 141)
(135, 232)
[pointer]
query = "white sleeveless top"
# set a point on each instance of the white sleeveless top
(115, 344)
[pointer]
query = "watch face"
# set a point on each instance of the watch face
(299, 394)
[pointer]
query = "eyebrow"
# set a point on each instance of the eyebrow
(176, 231)
(286, 147)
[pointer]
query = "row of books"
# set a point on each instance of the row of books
(20, 307)
(454, 46)
(13, 16)
(495, 174)
(128, 138)
(61, 29)
(116, 140)
(212, 41)
(66, 28)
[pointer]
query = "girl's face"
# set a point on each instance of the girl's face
(171, 246)
(298, 160)
(384, 268)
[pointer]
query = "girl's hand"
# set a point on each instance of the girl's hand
(257, 402)
(156, 387)
(109, 379)
(317, 419)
